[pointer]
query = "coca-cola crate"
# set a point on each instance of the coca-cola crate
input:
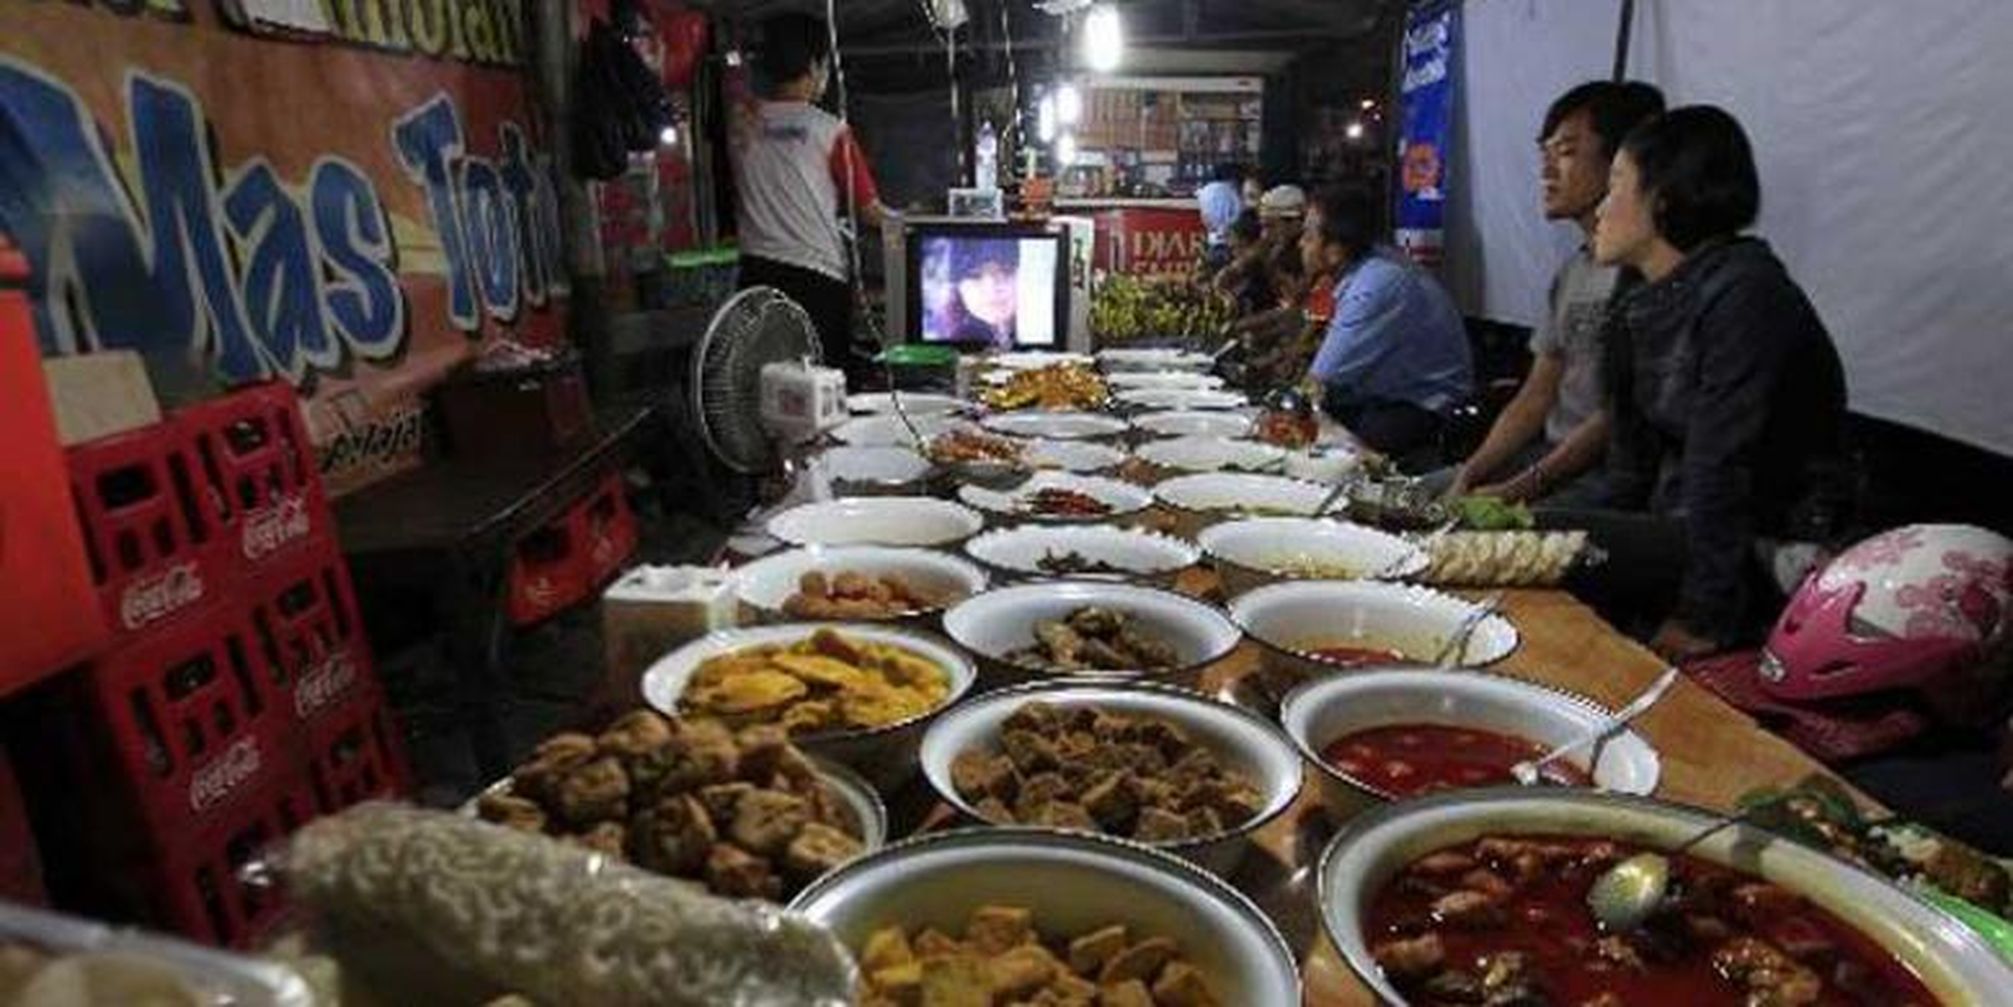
(150, 538)
(607, 529)
(258, 475)
(185, 721)
(548, 573)
(197, 883)
(356, 752)
(305, 619)
(20, 865)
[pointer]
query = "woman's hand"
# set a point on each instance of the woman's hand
(1676, 644)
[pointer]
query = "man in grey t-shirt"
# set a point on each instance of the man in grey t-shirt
(1549, 439)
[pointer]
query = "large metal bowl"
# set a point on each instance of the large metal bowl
(997, 622)
(1074, 883)
(1288, 618)
(1322, 710)
(1240, 740)
(764, 585)
(885, 755)
(1254, 552)
(1956, 965)
(1151, 558)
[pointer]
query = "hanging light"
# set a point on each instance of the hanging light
(1068, 104)
(668, 136)
(1103, 39)
(1354, 130)
(1065, 150)
(1044, 119)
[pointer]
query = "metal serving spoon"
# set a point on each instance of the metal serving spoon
(1626, 894)
(1456, 646)
(1531, 771)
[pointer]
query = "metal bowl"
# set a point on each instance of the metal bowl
(1203, 499)
(1287, 618)
(873, 471)
(912, 521)
(1016, 553)
(1123, 499)
(765, 584)
(991, 624)
(1074, 883)
(1239, 739)
(1322, 710)
(1956, 965)
(1253, 552)
(885, 755)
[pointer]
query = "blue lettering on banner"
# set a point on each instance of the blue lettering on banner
(263, 279)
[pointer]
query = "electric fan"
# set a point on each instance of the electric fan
(757, 389)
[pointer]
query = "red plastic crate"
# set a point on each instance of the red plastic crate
(548, 573)
(257, 471)
(198, 885)
(189, 720)
(607, 528)
(356, 753)
(20, 865)
(150, 539)
(304, 618)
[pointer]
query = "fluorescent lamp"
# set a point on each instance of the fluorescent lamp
(1068, 104)
(1044, 119)
(1065, 150)
(1103, 39)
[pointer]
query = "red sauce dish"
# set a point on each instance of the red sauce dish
(1406, 760)
(1504, 920)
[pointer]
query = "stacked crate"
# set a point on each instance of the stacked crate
(238, 698)
(570, 560)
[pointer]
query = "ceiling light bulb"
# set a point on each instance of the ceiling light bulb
(1068, 104)
(669, 136)
(1103, 39)
(1354, 131)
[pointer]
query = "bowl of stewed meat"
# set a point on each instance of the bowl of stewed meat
(1482, 897)
(1396, 733)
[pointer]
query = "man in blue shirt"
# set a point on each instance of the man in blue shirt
(1395, 361)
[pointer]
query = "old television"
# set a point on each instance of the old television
(979, 285)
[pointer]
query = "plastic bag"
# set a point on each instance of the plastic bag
(50, 959)
(445, 908)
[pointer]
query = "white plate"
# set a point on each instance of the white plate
(1416, 621)
(1234, 492)
(1193, 423)
(1002, 620)
(1183, 398)
(1154, 360)
(916, 403)
(1073, 456)
(1272, 546)
(767, 583)
(1028, 360)
(1211, 454)
(885, 430)
(1123, 498)
(882, 466)
(919, 521)
(1056, 426)
(1163, 379)
(1143, 554)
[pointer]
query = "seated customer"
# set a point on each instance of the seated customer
(1394, 359)
(1727, 396)
(1549, 440)
(1219, 203)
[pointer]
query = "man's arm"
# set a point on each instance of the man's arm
(1581, 450)
(1522, 419)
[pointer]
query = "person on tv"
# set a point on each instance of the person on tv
(986, 276)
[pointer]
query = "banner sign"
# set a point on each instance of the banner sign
(1147, 241)
(353, 211)
(1426, 105)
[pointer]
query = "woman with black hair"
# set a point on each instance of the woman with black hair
(1727, 394)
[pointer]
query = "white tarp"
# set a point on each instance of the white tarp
(1884, 136)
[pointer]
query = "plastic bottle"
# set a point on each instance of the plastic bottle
(986, 164)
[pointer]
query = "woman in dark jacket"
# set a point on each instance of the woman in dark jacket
(1728, 395)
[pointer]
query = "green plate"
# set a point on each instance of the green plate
(917, 355)
(1996, 931)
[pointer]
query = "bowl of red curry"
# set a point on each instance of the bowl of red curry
(1393, 734)
(1479, 897)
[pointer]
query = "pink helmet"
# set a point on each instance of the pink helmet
(1922, 608)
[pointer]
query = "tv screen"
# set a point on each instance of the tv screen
(987, 286)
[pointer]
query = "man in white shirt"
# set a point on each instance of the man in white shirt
(1549, 440)
(797, 172)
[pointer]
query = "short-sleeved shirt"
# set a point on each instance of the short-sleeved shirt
(793, 165)
(1572, 329)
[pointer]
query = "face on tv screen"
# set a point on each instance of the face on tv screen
(987, 289)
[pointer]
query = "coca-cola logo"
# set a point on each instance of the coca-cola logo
(322, 684)
(153, 598)
(603, 550)
(540, 592)
(269, 528)
(216, 780)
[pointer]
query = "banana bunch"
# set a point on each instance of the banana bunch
(1129, 308)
